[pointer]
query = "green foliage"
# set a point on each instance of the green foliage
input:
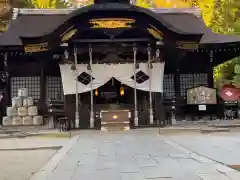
(224, 73)
(3, 25)
(48, 4)
(236, 80)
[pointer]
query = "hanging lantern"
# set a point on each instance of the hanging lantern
(96, 92)
(122, 91)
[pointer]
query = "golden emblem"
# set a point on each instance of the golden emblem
(155, 32)
(68, 35)
(36, 47)
(115, 116)
(186, 45)
(112, 23)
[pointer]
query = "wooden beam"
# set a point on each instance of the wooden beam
(127, 40)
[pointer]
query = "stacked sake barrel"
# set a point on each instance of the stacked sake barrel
(22, 112)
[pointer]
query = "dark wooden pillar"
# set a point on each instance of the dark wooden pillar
(7, 77)
(159, 108)
(177, 82)
(42, 105)
(210, 69)
(6, 87)
(178, 57)
(210, 79)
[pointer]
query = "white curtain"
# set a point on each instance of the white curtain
(100, 77)
(102, 73)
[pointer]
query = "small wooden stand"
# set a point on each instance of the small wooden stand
(113, 120)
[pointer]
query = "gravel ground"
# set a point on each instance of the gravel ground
(20, 165)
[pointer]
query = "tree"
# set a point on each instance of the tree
(5, 14)
(224, 73)
(47, 4)
(81, 3)
(145, 3)
(207, 10)
(172, 4)
(206, 6)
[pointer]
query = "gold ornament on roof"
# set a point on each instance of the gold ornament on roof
(155, 32)
(112, 23)
(68, 34)
(186, 45)
(36, 47)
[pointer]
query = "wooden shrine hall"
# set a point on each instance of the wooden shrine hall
(111, 61)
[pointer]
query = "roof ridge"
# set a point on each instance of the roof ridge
(27, 11)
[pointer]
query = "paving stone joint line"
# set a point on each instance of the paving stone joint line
(191, 152)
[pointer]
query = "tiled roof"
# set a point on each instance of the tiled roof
(38, 22)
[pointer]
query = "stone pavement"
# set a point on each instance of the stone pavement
(134, 156)
(32, 143)
(21, 158)
(224, 148)
(21, 165)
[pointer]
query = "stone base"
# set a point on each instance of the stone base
(115, 126)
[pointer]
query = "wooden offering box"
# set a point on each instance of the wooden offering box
(115, 120)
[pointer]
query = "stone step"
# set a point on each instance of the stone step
(212, 130)
(225, 125)
(116, 126)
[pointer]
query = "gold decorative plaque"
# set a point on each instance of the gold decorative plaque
(186, 45)
(155, 32)
(68, 34)
(36, 47)
(111, 23)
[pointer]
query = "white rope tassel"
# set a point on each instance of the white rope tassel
(91, 87)
(135, 85)
(150, 85)
(77, 119)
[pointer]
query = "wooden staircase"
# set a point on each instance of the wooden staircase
(115, 120)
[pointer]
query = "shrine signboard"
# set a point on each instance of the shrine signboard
(201, 95)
